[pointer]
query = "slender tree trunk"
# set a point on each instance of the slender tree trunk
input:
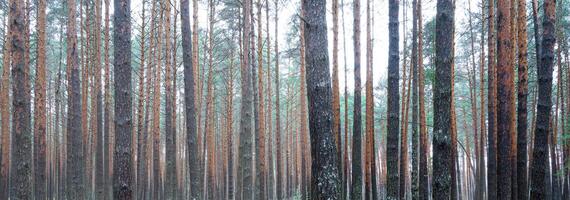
(170, 145)
(107, 110)
(540, 156)
(335, 84)
(21, 165)
(40, 132)
(403, 162)
(480, 145)
(279, 160)
(261, 170)
(424, 151)
(324, 168)
(492, 101)
(357, 115)
(5, 115)
(415, 124)
(505, 101)
(522, 96)
(142, 134)
(75, 186)
(245, 190)
(209, 104)
(97, 106)
(393, 102)
(122, 161)
(370, 146)
(304, 127)
(442, 138)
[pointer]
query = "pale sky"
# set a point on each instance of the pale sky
(379, 30)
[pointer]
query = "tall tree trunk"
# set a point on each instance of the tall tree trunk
(393, 102)
(335, 83)
(424, 151)
(324, 169)
(304, 127)
(480, 145)
(122, 161)
(415, 125)
(209, 129)
(492, 101)
(75, 144)
(370, 142)
(97, 106)
(345, 166)
(107, 109)
(189, 99)
(245, 190)
(142, 134)
(505, 101)
(540, 156)
(278, 154)
(356, 189)
(21, 165)
(522, 96)
(261, 170)
(5, 115)
(40, 132)
(403, 162)
(442, 138)
(170, 145)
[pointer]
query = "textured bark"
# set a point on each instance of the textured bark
(85, 64)
(393, 102)
(356, 188)
(189, 99)
(304, 127)
(5, 116)
(21, 165)
(40, 129)
(209, 129)
(156, 175)
(442, 137)
(522, 95)
(370, 169)
(491, 118)
(245, 189)
(261, 170)
(142, 134)
(415, 124)
(278, 154)
(345, 166)
(505, 100)
(480, 142)
(406, 82)
(170, 145)
(123, 177)
(75, 187)
(325, 182)
(424, 149)
(335, 83)
(97, 106)
(107, 110)
(545, 68)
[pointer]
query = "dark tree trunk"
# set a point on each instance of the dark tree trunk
(325, 182)
(491, 118)
(505, 101)
(107, 109)
(522, 96)
(540, 154)
(356, 189)
(415, 124)
(75, 188)
(423, 168)
(442, 137)
(393, 102)
(40, 129)
(98, 104)
(245, 186)
(21, 164)
(192, 148)
(122, 160)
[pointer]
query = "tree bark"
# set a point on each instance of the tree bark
(40, 129)
(5, 115)
(415, 124)
(97, 107)
(424, 151)
(356, 189)
(335, 83)
(107, 110)
(545, 68)
(75, 187)
(122, 161)
(393, 101)
(522, 96)
(324, 168)
(21, 165)
(442, 138)
(492, 101)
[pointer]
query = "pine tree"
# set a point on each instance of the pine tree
(393, 102)
(545, 68)
(21, 164)
(40, 126)
(443, 133)
(522, 96)
(122, 162)
(356, 189)
(325, 172)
